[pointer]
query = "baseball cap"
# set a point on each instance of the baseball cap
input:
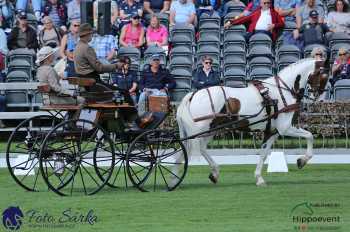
(313, 14)
(22, 15)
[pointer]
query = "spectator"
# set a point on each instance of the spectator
(207, 6)
(287, 9)
(73, 9)
(21, 5)
(339, 20)
(157, 34)
(319, 53)
(57, 12)
(105, 47)
(49, 34)
(303, 12)
(155, 81)
(132, 34)
(341, 66)
(264, 20)
(68, 44)
(206, 76)
(126, 79)
(313, 32)
(156, 6)
(128, 8)
(22, 35)
(47, 75)
(182, 11)
(6, 14)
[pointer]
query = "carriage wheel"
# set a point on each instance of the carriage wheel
(67, 158)
(23, 148)
(156, 160)
(119, 177)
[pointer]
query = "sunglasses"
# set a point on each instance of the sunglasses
(76, 25)
(318, 54)
(342, 54)
(267, 3)
(208, 62)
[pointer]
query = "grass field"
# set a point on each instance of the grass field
(234, 204)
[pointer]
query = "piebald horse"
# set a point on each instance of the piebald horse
(198, 105)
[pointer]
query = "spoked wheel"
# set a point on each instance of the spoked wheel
(119, 176)
(70, 155)
(156, 160)
(23, 148)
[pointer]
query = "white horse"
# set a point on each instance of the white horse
(198, 105)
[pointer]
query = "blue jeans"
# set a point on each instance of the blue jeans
(143, 97)
(22, 5)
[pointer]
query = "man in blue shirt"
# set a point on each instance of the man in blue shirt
(155, 81)
(105, 47)
(206, 76)
(182, 11)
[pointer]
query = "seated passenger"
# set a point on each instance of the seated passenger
(206, 76)
(126, 79)
(155, 81)
(46, 74)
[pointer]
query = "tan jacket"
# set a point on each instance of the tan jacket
(46, 74)
(85, 60)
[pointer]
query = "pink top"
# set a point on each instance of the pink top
(157, 34)
(132, 36)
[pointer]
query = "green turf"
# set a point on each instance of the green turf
(234, 204)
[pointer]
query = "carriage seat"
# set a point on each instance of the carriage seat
(82, 82)
(45, 88)
(158, 118)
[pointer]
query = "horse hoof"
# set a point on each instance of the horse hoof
(261, 184)
(301, 163)
(213, 179)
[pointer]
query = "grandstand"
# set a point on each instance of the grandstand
(237, 59)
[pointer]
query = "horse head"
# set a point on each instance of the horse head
(318, 78)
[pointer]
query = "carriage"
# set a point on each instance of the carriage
(81, 156)
(103, 146)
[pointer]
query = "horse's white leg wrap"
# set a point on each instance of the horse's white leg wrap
(264, 152)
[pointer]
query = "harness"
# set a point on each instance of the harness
(268, 103)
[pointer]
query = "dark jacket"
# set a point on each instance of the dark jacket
(61, 9)
(201, 80)
(160, 80)
(124, 81)
(314, 33)
(32, 42)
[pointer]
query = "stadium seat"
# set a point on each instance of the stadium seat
(209, 40)
(206, 18)
(155, 50)
(17, 99)
(342, 90)
(131, 52)
(22, 54)
(20, 65)
(234, 7)
(260, 39)
(260, 50)
(284, 61)
(182, 29)
(339, 37)
(288, 50)
(17, 76)
(260, 73)
(176, 95)
(232, 38)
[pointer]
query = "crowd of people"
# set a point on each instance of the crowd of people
(137, 23)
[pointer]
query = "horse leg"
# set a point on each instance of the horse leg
(214, 173)
(263, 153)
(298, 132)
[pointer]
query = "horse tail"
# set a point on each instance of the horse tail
(185, 123)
